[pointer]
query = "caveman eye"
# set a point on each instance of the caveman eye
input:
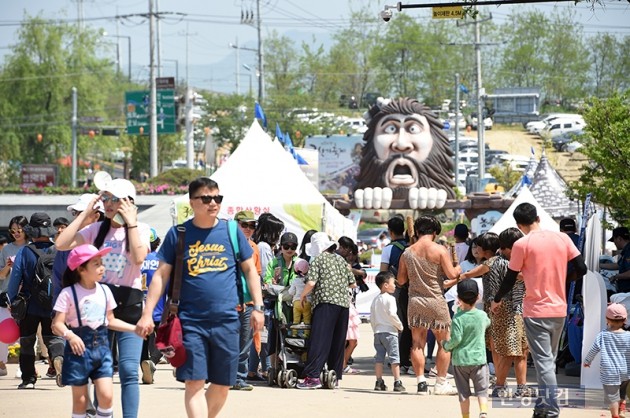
(390, 128)
(414, 127)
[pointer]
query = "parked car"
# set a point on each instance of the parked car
(572, 146)
(468, 160)
(538, 126)
(561, 140)
(369, 237)
(516, 162)
(491, 153)
(562, 125)
(487, 123)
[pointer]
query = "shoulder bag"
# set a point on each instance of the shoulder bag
(170, 338)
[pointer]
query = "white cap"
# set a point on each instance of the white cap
(84, 201)
(120, 188)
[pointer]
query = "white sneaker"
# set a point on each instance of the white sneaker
(18, 373)
(433, 373)
(444, 389)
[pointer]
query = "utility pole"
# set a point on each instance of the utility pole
(456, 129)
(190, 137)
(74, 136)
(261, 72)
(153, 136)
(238, 67)
(480, 94)
(247, 18)
(159, 38)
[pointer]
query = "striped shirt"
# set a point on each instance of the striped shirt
(615, 356)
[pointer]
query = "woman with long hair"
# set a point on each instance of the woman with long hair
(7, 255)
(305, 240)
(424, 265)
(266, 236)
(130, 243)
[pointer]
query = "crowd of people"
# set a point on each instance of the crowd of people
(483, 306)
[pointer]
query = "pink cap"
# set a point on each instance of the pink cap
(616, 311)
(83, 253)
(301, 266)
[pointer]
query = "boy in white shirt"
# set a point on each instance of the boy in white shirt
(386, 326)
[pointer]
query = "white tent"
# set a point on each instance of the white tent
(507, 220)
(261, 176)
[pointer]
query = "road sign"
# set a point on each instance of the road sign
(448, 12)
(163, 83)
(447, 125)
(137, 109)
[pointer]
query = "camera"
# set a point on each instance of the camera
(386, 15)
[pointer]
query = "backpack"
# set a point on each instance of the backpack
(393, 262)
(241, 283)
(41, 283)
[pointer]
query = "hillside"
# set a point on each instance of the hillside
(517, 141)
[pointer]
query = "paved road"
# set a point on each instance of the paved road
(355, 398)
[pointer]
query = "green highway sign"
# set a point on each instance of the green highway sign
(137, 109)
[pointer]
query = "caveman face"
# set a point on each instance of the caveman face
(399, 138)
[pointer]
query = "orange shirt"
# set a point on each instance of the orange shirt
(542, 257)
(256, 256)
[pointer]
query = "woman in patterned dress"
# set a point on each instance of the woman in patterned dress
(424, 266)
(507, 332)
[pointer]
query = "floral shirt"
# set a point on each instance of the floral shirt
(331, 275)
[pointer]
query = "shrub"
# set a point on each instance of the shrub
(176, 177)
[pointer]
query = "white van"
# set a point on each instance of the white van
(536, 127)
(562, 125)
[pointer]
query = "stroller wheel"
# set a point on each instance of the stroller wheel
(323, 377)
(331, 380)
(282, 378)
(291, 379)
(271, 376)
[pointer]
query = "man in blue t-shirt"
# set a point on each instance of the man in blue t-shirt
(208, 299)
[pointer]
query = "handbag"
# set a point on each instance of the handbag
(170, 337)
(129, 303)
(19, 306)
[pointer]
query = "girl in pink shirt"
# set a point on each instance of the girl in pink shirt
(87, 307)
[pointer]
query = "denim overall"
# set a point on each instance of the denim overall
(96, 362)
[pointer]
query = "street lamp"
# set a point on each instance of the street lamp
(259, 55)
(249, 69)
(118, 51)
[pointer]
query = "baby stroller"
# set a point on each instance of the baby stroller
(290, 343)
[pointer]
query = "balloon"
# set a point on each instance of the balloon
(9, 331)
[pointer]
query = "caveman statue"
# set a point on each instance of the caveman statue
(405, 156)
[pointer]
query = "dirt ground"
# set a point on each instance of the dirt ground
(515, 140)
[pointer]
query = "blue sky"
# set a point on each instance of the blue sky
(213, 24)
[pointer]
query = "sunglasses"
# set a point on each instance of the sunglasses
(114, 199)
(250, 225)
(289, 247)
(207, 198)
(75, 212)
(15, 231)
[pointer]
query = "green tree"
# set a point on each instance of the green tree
(607, 147)
(36, 91)
(604, 57)
(566, 62)
(523, 57)
(229, 116)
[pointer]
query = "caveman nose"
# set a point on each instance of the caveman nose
(403, 143)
